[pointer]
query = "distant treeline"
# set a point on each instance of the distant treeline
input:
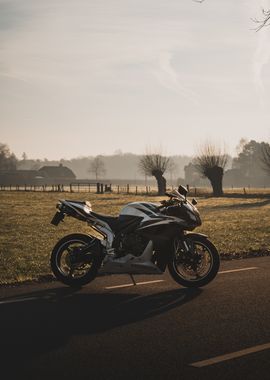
(246, 169)
(117, 166)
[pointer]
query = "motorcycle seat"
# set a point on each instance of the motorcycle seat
(112, 221)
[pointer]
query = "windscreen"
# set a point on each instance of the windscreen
(176, 194)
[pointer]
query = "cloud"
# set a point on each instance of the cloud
(170, 78)
(13, 77)
(129, 65)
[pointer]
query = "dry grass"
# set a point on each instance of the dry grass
(236, 225)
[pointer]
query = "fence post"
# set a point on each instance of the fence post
(136, 191)
(101, 188)
(127, 188)
(118, 189)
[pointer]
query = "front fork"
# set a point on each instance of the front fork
(186, 253)
(188, 246)
(188, 241)
(184, 244)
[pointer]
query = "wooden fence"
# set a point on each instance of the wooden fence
(83, 187)
(72, 187)
(100, 188)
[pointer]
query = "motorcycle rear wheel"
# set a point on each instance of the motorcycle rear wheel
(208, 261)
(74, 275)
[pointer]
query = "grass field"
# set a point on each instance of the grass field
(238, 226)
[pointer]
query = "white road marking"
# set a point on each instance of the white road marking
(232, 355)
(126, 285)
(131, 284)
(119, 286)
(237, 270)
(18, 300)
(155, 281)
(149, 282)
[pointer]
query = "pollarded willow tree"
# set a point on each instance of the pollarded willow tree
(210, 162)
(155, 165)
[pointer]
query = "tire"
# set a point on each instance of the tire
(61, 248)
(208, 249)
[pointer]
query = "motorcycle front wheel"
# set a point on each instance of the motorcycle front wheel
(196, 268)
(69, 271)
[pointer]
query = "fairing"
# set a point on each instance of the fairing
(153, 224)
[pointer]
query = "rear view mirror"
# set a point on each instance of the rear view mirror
(182, 190)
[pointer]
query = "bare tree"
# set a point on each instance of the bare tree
(210, 162)
(265, 157)
(264, 21)
(240, 146)
(8, 160)
(172, 168)
(97, 167)
(24, 156)
(155, 165)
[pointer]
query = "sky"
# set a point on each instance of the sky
(88, 77)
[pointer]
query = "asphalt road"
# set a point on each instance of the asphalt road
(155, 330)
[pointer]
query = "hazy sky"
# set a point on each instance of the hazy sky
(86, 77)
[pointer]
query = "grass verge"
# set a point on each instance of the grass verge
(239, 227)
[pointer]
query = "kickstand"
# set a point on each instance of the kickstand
(133, 280)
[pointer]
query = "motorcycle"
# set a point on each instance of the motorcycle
(146, 238)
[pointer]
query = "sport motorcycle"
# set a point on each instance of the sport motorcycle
(146, 238)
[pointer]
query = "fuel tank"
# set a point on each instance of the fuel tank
(143, 210)
(151, 223)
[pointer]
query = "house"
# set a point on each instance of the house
(56, 174)
(47, 175)
(19, 177)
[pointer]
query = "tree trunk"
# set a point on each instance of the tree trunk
(161, 182)
(215, 176)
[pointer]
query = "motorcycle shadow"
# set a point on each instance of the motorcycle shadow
(38, 322)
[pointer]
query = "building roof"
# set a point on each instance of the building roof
(19, 171)
(56, 172)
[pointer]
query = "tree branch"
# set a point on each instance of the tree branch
(265, 21)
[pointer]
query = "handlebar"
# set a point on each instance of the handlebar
(170, 202)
